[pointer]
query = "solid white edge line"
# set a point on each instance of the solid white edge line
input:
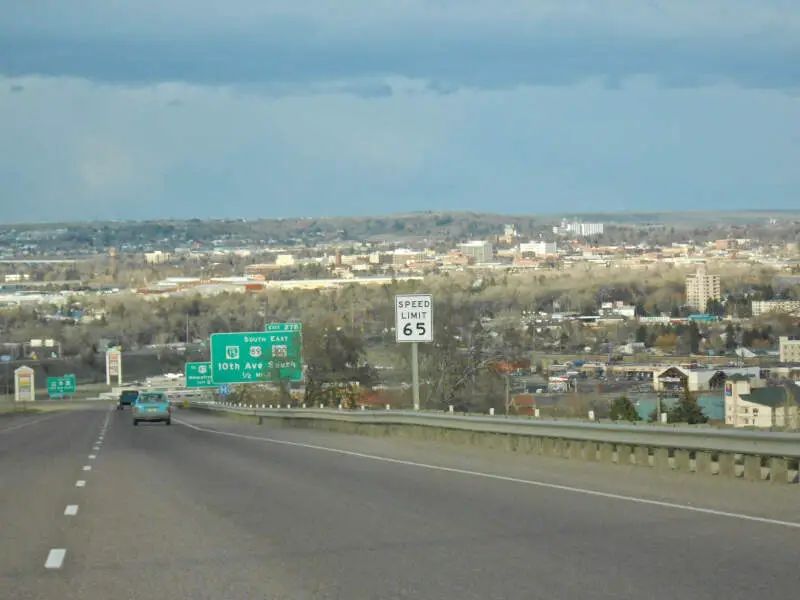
(29, 423)
(55, 558)
(71, 510)
(80, 483)
(531, 482)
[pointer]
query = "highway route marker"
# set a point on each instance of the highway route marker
(257, 356)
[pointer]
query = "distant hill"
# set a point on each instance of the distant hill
(445, 227)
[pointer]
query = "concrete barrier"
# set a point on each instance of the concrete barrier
(750, 455)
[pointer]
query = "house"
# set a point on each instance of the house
(749, 406)
(675, 378)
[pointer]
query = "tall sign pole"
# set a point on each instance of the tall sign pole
(414, 324)
(114, 365)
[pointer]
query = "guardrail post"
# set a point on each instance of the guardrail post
(451, 409)
(727, 464)
(536, 413)
(683, 462)
(547, 446)
(752, 467)
(575, 449)
(661, 459)
(778, 470)
(641, 456)
(607, 452)
(702, 463)
(590, 451)
(623, 454)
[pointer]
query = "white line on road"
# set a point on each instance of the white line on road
(87, 467)
(80, 483)
(92, 456)
(55, 558)
(28, 423)
(530, 482)
(71, 510)
(96, 448)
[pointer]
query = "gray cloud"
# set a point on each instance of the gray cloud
(80, 150)
(360, 20)
(454, 43)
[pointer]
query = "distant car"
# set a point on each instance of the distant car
(127, 398)
(152, 407)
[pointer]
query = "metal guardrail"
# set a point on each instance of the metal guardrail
(760, 443)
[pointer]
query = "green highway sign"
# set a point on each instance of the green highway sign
(198, 375)
(272, 327)
(60, 386)
(249, 357)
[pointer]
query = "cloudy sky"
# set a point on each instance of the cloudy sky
(271, 108)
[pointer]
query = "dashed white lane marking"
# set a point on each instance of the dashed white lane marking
(80, 483)
(71, 510)
(96, 448)
(92, 456)
(55, 558)
(530, 482)
(87, 467)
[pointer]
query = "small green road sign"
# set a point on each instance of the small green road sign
(250, 357)
(272, 327)
(61, 386)
(198, 375)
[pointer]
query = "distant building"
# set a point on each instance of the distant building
(760, 307)
(481, 252)
(284, 260)
(789, 349)
(539, 248)
(156, 258)
(702, 287)
(748, 405)
(403, 256)
(509, 234)
(578, 228)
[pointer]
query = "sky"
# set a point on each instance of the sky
(270, 108)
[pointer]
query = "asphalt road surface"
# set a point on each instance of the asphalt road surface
(217, 508)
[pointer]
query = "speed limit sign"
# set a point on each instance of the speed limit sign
(414, 317)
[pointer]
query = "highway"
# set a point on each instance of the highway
(221, 508)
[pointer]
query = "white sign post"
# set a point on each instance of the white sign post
(24, 388)
(114, 366)
(414, 324)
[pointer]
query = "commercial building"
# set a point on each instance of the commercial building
(749, 405)
(539, 248)
(702, 287)
(579, 229)
(760, 307)
(481, 252)
(789, 349)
